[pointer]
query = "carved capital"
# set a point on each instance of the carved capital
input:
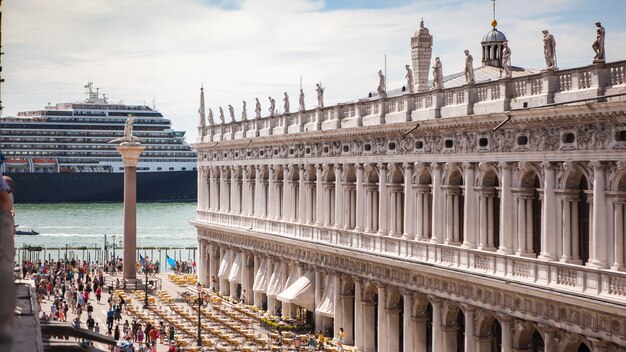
(338, 168)
(381, 166)
(597, 165)
(547, 165)
(469, 166)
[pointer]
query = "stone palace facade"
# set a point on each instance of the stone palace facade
(476, 217)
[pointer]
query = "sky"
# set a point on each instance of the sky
(162, 51)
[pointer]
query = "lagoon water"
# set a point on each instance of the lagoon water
(85, 224)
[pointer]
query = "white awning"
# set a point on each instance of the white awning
(275, 286)
(327, 306)
(301, 292)
(294, 274)
(235, 270)
(261, 278)
(225, 266)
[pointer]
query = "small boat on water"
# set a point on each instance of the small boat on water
(26, 232)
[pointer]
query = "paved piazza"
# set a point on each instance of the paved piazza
(482, 211)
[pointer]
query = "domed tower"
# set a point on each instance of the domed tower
(421, 53)
(493, 43)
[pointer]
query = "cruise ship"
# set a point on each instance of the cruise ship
(62, 154)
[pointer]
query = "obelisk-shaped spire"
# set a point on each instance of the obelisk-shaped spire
(201, 111)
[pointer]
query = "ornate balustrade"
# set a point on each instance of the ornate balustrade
(482, 98)
(564, 277)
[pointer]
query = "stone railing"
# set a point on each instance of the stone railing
(567, 278)
(482, 98)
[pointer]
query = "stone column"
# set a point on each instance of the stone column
(247, 279)
(506, 210)
(200, 202)
(359, 340)
(234, 195)
(521, 225)
(393, 328)
(449, 338)
(470, 340)
(271, 192)
(369, 333)
(301, 196)
(436, 338)
(437, 210)
(383, 201)
(338, 321)
(599, 244)
(421, 339)
(566, 234)
(549, 337)
(507, 328)
(360, 198)
(408, 322)
(258, 190)
(130, 156)
(201, 261)
(618, 234)
(319, 196)
(548, 228)
(469, 207)
(382, 320)
(339, 198)
(409, 202)
(319, 279)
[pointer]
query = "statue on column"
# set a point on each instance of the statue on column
(469, 68)
(301, 107)
(437, 74)
(549, 50)
(506, 60)
(257, 109)
(211, 121)
(244, 114)
(286, 103)
(272, 106)
(128, 137)
(598, 45)
(320, 95)
(231, 112)
(382, 89)
(409, 78)
(221, 115)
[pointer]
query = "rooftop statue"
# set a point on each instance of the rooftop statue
(211, 121)
(320, 95)
(506, 60)
(598, 45)
(549, 50)
(437, 74)
(286, 101)
(232, 113)
(128, 133)
(409, 78)
(272, 108)
(222, 115)
(469, 68)
(301, 107)
(382, 89)
(244, 114)
(257, 109)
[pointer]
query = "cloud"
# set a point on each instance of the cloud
(241, 49)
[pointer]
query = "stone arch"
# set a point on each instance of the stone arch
(372, 200)
(575, 213)
(527, 175)
(422, 183)
(395, 174)
(393, 299)
(618, 180)
(574, 343)
(395, 194)
(371, 174)
(489, 176)
(349, 173)
(572, 176)
(454, 206)
(525, 336)
(528, 211)
(422, 175)
(328, 173)
(310, 173)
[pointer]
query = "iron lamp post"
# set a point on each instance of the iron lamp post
(145, 301)
(199, 287)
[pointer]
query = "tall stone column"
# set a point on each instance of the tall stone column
(507, 332)
(437, 209)
(302, 206)
(599, 245)
(506, 210)
(618, 234)
(360, 198)
(271, 192)
(340, 199)
(382, 204)
(409, 202)
(130, 156)
(382, 320)
(319, 196)
(358, 315)
(469, 207)
(548, 228)
(436, 338)
(408, 322)
(470, 340)
(347, 309)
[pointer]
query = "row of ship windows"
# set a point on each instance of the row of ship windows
(87, 146)
(103, 153)
(48, 126)
(30, 134)
(157, 169)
